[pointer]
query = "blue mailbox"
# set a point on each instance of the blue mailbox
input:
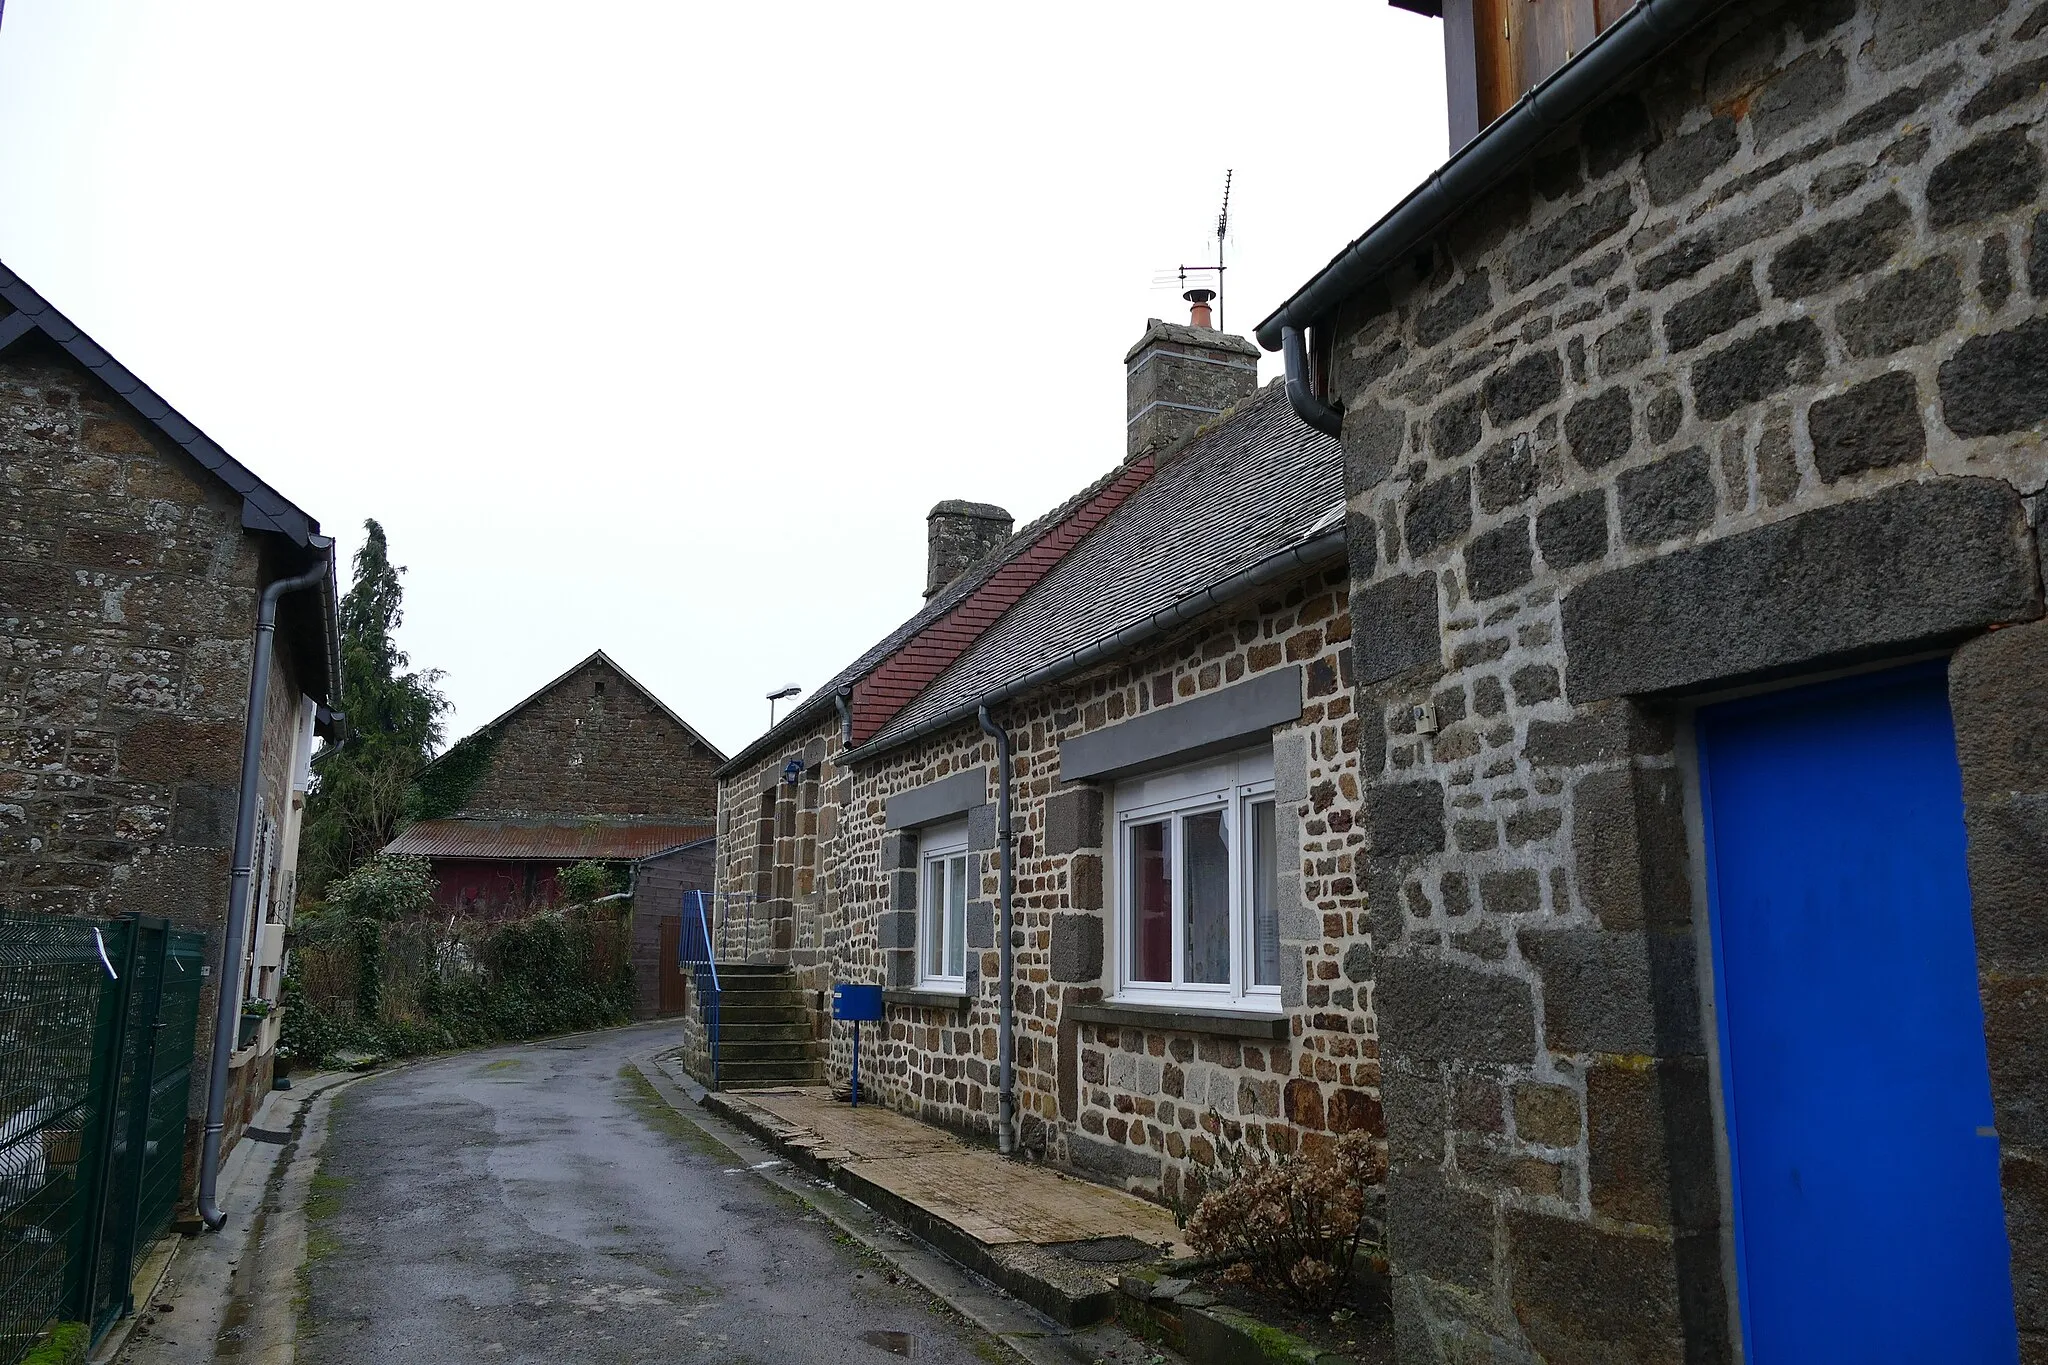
(855, 1004)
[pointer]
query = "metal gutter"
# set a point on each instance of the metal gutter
(1327, 546)
(1640, 35)
(228, 986)
(1006, 882)
(841, 700)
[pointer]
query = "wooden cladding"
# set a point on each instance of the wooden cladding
(1513, 45)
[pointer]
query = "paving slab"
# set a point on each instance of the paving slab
(1014, 1221)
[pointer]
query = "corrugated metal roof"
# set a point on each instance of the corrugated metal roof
(551, 841)
(1252, 487)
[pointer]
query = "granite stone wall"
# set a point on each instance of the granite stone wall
(128, 592)
(593, 744)
(1741, 376)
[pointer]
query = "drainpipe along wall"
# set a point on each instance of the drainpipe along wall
(1006, 1095)
(228, 991)
(1641, 34)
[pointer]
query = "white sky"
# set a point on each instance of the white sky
(660, 327)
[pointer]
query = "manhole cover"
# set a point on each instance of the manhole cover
(1106, 1250)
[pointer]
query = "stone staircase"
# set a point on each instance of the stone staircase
(766, 1030)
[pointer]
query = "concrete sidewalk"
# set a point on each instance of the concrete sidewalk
(1057, 1242)
(231, 1293)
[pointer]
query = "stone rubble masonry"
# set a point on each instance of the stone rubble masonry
(959, 535)
(593, 744)
(1156, 1109)
(1745, 374)
(128, 592)
(1180, 379)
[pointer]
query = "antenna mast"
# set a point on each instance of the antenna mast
(1222, 227)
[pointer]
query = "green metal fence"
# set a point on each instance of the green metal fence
(97, 1023)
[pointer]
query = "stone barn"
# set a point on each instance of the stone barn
(591, 767)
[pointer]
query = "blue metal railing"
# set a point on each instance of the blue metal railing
(698, 955)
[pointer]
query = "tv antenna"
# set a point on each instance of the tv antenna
(1222, 228)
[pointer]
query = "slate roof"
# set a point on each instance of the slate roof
(542, 840)
(819, 704)
(1257, 484)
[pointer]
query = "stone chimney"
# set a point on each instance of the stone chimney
(1177, 378)
(959, 535)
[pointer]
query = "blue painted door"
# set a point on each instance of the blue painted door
(1868, 1222)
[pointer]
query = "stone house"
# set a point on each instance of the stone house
(133, 552)
(1172, 681)
(590, 767)
(1692, 421)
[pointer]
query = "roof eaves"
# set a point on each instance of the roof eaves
(263, 507)
(1641, 34)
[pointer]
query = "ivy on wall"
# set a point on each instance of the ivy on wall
(444, 787)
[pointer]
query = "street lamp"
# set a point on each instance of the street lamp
(780, 694)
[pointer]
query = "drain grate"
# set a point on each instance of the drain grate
(271, 1135)
(1106, 1250)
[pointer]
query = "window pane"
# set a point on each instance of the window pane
(1207, 867)
(956, 919)
(934, 917)
(1150, 904)
(1265, 898)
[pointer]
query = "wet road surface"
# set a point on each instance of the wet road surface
(534, 1204)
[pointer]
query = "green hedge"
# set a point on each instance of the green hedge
(444, 986)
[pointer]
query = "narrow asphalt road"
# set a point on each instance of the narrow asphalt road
(540, 1203)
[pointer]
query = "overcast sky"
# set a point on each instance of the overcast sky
(659, 327)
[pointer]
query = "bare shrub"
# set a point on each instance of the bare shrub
(1294, 1224)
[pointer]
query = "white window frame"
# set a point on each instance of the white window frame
(1234, 785)
(945, 846)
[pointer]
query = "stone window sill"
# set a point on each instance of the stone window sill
(1169, 1019)
(930, 1000)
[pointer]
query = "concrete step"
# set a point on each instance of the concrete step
(740, 1075)
(758, 985)
(787, 1000)
(769, 1050)
(765, 1033)
(732, 1015)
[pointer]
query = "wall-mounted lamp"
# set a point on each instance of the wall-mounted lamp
(793, 771)
(780, 694)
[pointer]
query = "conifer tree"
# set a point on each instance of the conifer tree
(394, 716)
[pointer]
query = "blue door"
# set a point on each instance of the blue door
(1868, 1223)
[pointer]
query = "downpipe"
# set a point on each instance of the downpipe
(1006, 1093)
(1324, 416)
(228, 1004)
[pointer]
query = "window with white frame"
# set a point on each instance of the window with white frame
(943, 869)
(1196, 905)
